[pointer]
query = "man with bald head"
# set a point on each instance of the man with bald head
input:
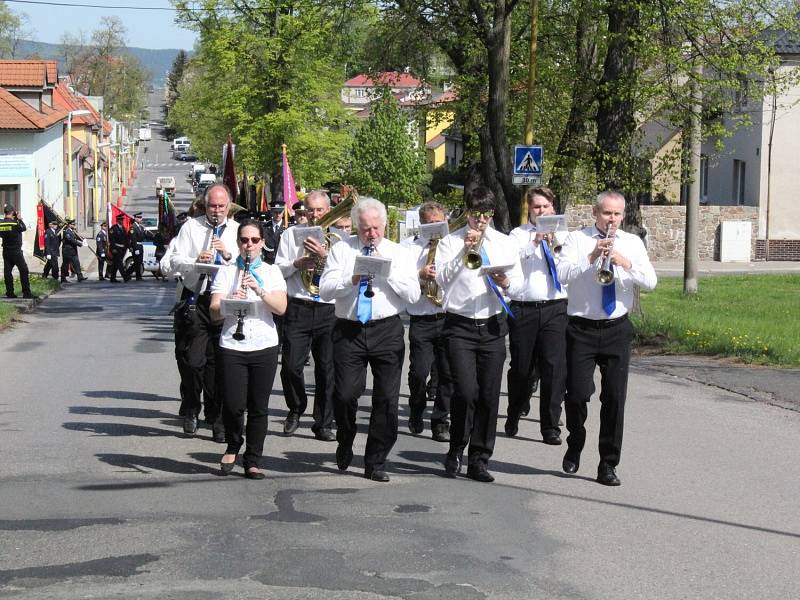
(207, 240)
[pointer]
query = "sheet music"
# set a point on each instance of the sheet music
(306, 231)
(489, 269)
(230, 307)
(433, 231)
(372, 265)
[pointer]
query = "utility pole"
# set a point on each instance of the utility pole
(690, 257)
(523, 212)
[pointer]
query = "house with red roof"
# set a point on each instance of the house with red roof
(31, 138)
(362, 89)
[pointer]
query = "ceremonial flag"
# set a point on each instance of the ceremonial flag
(229, 168)
(111, 217)
(289, 193)
(44, 215)
(166, 218)
(264, 206)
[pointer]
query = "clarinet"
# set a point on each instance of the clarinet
(238, 335)
(369, 293)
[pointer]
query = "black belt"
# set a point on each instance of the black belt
(538, 303)
(433, 317)
(598, 323)
(371, 322)
(307, 302)
(476, 322)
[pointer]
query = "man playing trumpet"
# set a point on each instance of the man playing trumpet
(475, 328)
(538, 330)
(599, 332)
(307, 324)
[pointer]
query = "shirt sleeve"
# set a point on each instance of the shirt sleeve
(336, 280)
(403, 275)
(641, 272)
(223, 280)
(449, 259)
(287, 254)
(574, 259)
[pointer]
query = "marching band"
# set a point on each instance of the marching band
(558, 300)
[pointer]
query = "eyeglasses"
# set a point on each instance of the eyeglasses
(485, 214)
(252, 240)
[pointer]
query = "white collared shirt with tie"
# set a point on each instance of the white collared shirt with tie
(392, 293)
(585, 293)
(193, 238)
(466, 291)
(538, 283)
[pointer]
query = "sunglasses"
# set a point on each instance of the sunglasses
(477, 214)
(252, 240)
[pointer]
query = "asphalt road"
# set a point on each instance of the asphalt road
(101, 495)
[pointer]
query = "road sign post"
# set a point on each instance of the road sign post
(528, 165)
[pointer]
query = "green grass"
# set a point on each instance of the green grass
(751, 317)
(39, 287)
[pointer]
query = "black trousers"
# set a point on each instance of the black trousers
(138, 260)
(11, 259)
(606, 344)
(428, 359)
(476, 351)
(248, 378)
(51, 267)
(197, 343)
(101, 265)
(379, 345)
(70, 260)
(118, 265)
(308, 325)
(537, 343)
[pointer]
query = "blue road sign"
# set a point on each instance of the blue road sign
(528, 164)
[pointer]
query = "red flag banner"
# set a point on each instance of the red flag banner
(44, 215)
(289, 191)
(113, 212)
(264, 207)
(229, 168)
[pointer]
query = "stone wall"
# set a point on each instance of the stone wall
(666, 225)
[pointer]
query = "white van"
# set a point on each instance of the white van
(180, 141)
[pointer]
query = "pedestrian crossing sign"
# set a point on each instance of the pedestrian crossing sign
(528, 165)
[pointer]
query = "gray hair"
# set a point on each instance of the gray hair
(598, 203)
(216, 186)
(317, 194)
(366, 203)
(431, 206)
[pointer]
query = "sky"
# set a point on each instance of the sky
(146, 28)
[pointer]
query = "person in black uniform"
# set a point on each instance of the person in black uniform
(272, 233)
(101, 239)
(11, 228)
(69, 252)
(52, 247)
(137, 237)
(117, 244)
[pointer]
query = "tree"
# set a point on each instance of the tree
(384, 161)
(179, 66)
(9, 26)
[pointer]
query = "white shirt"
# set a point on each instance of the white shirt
(259, 328)
(585, 294)
(193, 238)
(466, 291)
(392, 293)
(288, 252)
(418, 248)
(538, 284)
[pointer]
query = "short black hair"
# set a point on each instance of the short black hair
(480, 198)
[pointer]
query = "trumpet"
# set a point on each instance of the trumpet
(369, 292)
(472, 257)
(238, 335)
(604, 275)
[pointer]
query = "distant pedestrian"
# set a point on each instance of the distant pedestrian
(69, 252)
(52, 247)
(118, 246)
(101, 239)
(11, 228)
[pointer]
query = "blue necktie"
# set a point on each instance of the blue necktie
(364, 306)
(551, 265)
(493, 285)
(610, 295)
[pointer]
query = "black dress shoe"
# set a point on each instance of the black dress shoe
(291, 423)
(226, 468)
(415, 424)
(218, 432)
(344, 456)
(11, 295)
(570, 464)
(325, 435)
(377, 475)
(115, 281)
(82, 278)
(452, 465)
(190, 424)
(512, 425)
(254, 473)
(551, 438)
(440, 433)
(478, 472)
(607, 475)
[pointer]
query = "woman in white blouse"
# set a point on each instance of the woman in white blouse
(249, 362)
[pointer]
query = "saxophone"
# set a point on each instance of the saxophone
(431, 289)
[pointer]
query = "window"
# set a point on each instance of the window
(703, 177)
(738, 181)
(360, 92)
(9, 196)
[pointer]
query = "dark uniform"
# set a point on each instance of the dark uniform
(137, 237)
(272, 238)
(101, 239)
(69, 254)
(118, 244)
(52, 247)
(11, 229)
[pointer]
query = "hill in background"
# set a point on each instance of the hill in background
(158, 62)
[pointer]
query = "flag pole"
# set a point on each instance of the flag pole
(285, 184)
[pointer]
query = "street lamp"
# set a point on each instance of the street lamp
(72, 113)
